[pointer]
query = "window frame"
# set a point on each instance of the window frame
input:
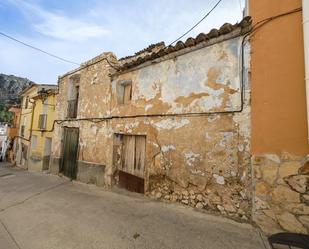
(42, 122)
(121, 91)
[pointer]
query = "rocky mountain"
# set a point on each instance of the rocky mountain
(10, 87)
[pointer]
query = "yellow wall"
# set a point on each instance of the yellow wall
(37, 149)
(26, 113)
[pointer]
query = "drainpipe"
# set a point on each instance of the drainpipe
(305, 8)
(30, 134)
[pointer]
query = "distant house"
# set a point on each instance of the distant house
(12, 131)
(3, 141)
(42, 130)
(36, 116)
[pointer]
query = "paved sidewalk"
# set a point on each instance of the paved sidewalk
(39, 211)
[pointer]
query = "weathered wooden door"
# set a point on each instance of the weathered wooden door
(131, 165)
(70, 149)
(46, 153)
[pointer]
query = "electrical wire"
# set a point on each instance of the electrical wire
(38, 49)
(240, 7)
(204, 17)
(255, 27)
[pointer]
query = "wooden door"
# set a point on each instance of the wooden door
(70, 149)
(46, 153)
(132, 165)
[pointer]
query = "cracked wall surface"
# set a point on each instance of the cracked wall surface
(197, 147)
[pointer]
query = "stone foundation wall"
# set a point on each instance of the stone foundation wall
(35, 163)
(228, 200)
(190, 108)
(203, 162)
(54, 165)
(281, 193)
(90, 173)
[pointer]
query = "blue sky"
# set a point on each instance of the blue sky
(79, 30)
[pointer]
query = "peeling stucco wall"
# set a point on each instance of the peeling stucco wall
(204, 80)
(200, 158)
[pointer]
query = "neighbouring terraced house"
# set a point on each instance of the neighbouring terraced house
(12, 131)
(217, 122)
(33, 143)
(171, 122)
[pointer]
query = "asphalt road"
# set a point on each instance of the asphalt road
(41, 211)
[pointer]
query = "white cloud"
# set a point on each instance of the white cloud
(119, 26)
(59, 26)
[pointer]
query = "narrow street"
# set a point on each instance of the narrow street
(40, 211)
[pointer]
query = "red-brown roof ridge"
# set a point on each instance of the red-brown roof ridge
(148, 53)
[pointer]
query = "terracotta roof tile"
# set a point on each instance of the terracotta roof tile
(155, 51)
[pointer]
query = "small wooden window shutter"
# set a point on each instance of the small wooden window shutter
(42, 121)
(127, 93)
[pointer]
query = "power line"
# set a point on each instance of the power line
(38, 49)
(240, 7)
(215, 6)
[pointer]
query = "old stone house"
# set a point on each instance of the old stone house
(27, 124)
(215, 122)
(172, 122)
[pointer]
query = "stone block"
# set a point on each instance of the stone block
(305, 221)
(199, 205)
(284, 195)
(305, 199)
(290, 223)
(260, 204)
(297, 208)
(269, 173)
(270, 213)
(298, 183)
(288, 168)
(90, 173)
(229, 208)
(269, 226)
(261, 189)
(304, 169)
(257, 172)
(54, 165)
(199, 197)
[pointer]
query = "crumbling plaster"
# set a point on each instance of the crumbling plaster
(187, 83)
(202, 150)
